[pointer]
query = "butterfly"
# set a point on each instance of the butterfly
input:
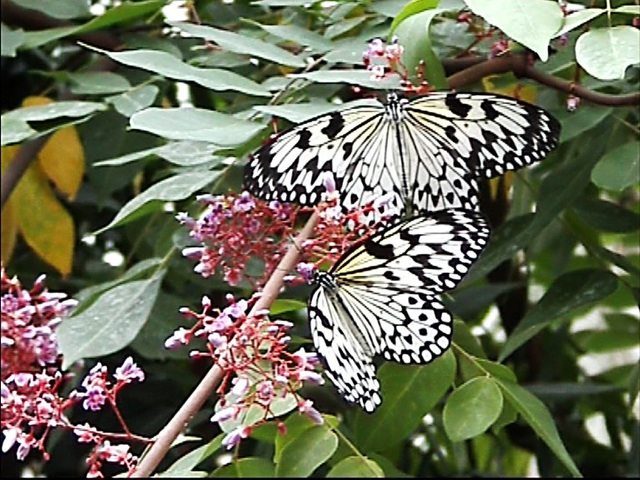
(380, 298)
(428, 152)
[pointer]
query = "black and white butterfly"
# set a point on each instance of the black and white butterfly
(380, 298)
(429, 153)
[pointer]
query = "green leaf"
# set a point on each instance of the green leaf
(247, 467)
(296, 424)
(568, 390)
(110, 323)
(300, 35)
(170, 189)
(508, 239)
(343, 26)
(619, 168)
(307, 452)
(10, 40)
(605, 53)
(575, 19)
(581, 121)
(567, 293)
(472, 408)
(122, 13)
(92, 83)
(538, 417)
(169, 66)
(299, 112)
(54, 110)
(469, 302)
(282, 305)
(409, 393)
(195, 124)
(356, 467)
(388, 8)
(463, 337)
(184, 153)
(88, 295)
(14, 130)
(352, 77)
(607, 216)
(134, 100)
(533, 23)
(235, 42)
(628, 9)
(413, 35)
(255, 413)
(411, 8)
(183, 467)
(62, 10)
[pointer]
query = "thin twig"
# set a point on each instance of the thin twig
(15, 170)
(211, 380)
(519, 66)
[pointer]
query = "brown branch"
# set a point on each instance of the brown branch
(206, 387)
(519, 66)
(27, 153)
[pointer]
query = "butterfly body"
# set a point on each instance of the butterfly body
(428, 153)
(380, 298)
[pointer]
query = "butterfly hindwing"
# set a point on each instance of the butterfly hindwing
(346, 364)
(430, 253)
(380, 298)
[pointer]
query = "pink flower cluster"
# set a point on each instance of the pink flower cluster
(381, 59)
(29, 319)
(252, 352)
(32, 408)
(235, 228)
(32, 405)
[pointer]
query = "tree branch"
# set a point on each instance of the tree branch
(12, 175)
(519, 66)
(211, 380)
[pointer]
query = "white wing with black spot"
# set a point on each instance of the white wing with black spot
(380, 298)
(428, 153)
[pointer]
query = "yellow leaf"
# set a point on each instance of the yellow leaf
(515, 90)
(9, 233)
(9, 227)
(44, 223)
(62, 157)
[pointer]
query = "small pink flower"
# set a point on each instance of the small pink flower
(181, 336)
(306, 407)
(129, 371)
(224, 414)
(240, 386)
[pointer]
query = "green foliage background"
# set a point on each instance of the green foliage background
(557, 287)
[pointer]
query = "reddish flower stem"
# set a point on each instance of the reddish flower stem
(207, 386)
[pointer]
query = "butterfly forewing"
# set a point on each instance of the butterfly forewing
(492, 133)
(293, 167)
(428, 154)
(380, 297)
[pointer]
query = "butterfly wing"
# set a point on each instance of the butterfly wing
(454, 138)
(346, 363)
(382, 298)
(388, 283)
(293, 167)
